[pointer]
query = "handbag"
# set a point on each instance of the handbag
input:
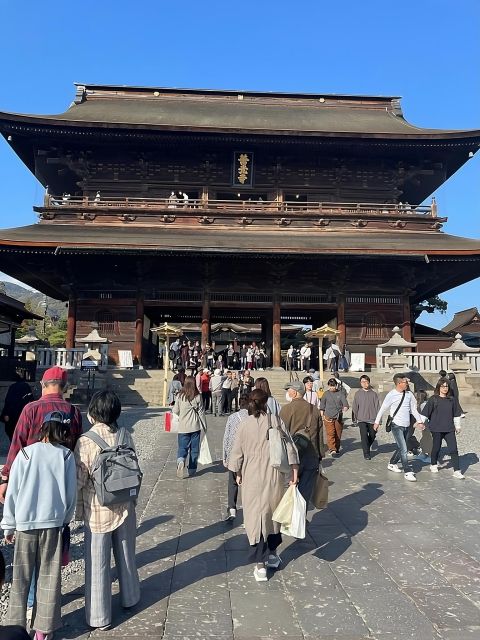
(204, 457)
(301, 438)
(388, 424)
(291, 513)
(172, 421)
(320, 491)
(277, 440)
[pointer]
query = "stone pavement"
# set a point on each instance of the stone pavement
(387, 560)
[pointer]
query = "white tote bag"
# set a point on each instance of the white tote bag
(296, 527)
(205, 456)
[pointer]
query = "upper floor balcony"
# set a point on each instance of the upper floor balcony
(231, 212)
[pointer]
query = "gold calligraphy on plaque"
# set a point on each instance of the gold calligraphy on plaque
(243, 168)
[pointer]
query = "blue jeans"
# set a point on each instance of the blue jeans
(33, 587)
(400, 435)
(189, 443)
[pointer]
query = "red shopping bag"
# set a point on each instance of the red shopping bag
(168, 421)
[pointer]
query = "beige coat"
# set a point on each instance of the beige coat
(262, 485)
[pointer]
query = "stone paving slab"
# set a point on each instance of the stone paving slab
(387, 560)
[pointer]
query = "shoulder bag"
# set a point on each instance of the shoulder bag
(278, 446)
(388, 424)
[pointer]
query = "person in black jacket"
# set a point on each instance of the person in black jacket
(19, 394)
(443, 413)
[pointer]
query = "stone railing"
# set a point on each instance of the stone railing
(429, 362)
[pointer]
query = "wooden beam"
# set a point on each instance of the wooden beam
(205, 320)
(276, 325)
(407, 321)
(341, 320)
(139, 315)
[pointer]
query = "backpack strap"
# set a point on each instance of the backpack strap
(120, 437)
(97, 439)
(66, 457)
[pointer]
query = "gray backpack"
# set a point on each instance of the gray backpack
(115, 472)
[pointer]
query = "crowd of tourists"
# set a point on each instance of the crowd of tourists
(188, 354)
(52, 472)
(55, 472)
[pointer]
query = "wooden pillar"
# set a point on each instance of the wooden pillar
(139, 314)
(406, 319)
(341, 321)
(71, 322)
(11, 346)
(276, 331)
(205, 320)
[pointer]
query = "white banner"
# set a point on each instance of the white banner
(357, 362)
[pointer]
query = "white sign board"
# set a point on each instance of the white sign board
(126, 359)
(357, 362)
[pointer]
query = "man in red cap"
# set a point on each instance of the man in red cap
(54, 382)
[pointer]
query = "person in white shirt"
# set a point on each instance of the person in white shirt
(401, 403)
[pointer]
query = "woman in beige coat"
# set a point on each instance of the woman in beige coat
(262, 485)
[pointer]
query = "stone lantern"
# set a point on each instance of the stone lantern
(96, 347)
(459, 364)
(28, 342)
(397, 362)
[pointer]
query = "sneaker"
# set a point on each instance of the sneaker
(29, 616)
(260, 574)
(410, 454)
(231, 514)
(410, 476)
(335, 454)
(434, 468)
(459, 475)
(367, 457)
(274, 561)
(180, 467)
(394, 468)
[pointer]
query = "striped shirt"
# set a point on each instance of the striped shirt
(231, 431)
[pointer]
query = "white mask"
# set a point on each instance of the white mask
(287, 397)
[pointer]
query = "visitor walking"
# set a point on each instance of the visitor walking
(443, 412)
(188, 407)
(401, 404)
(39, 503)
(106, 527)
(332, 406)
(231, 429)
(365, 407)
(262, 485)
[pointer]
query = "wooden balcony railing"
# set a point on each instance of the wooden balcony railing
(181, 208)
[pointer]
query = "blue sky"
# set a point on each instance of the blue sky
(427, 51)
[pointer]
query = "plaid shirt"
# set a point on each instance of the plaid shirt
(31, 420)
(97, 518)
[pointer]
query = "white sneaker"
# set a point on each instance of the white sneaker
(180, 467)
(394, 468)
(434, 468)
(410, 476)
(274, 561)
(260, 575)
(410, 454)
(232, 513)
(459, 475)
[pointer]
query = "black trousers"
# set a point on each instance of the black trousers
(412, 442)
(451, 440)
(232, 490)
(306, 483)
(367, 436)
(226, 405)
(206, 395)
(259, 552)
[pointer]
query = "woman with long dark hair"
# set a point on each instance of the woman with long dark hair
(189, 409)
(443, 413)
(262, 485)
(272, 405)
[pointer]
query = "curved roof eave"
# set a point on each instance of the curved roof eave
(61, 122)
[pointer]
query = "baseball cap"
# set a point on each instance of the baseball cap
(55, 373)
(296, 385)
(57, 416)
